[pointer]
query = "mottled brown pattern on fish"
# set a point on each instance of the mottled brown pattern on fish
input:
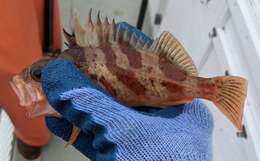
(170, 71)
(207, 87)
(127, 77)
(90, 57)
(121, 59)
(172, 87)
(79, 58)
(109, 55)
(134, 57)
(108, 86)
(131, 78)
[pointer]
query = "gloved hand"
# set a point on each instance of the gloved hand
(111, 131)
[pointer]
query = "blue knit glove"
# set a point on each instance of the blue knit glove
(111, 131)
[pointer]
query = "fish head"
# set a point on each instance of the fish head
(28, 88)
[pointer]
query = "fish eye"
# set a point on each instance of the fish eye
(36, 74)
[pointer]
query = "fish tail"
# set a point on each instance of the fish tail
(228, 93)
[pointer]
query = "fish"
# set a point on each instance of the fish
(136, 73)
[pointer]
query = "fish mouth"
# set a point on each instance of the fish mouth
(31, 97)
(21, 90)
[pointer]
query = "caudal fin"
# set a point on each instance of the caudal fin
(230, 97)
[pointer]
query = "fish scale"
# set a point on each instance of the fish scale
(136, 73)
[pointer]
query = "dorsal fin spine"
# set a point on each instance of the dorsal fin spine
(106, 30)
(99, 30)
(79, 32)
(133, 39)
(70, 39)
(140, 43)
(146, 46)
(153, 46)
(126, 36)
(98, 21)
(90, 25)
(118, 33)
(103, 32)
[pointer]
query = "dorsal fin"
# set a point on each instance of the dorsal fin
(94, 34)
(168, 46)
(70, 39)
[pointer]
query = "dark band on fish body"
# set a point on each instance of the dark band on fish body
(127, 77)
(109, 55)
(91, 55)
(170, 71)
(134, 57)
(120, 32)
(171, 87)
(77, 54)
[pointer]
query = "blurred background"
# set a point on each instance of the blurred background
(223, 38)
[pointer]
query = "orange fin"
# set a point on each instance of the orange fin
(70, 39)
(230, 98)
(73, 137)
(94, 34)
(105, 33)
(169, 47)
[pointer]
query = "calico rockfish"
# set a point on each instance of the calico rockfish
(136, 73)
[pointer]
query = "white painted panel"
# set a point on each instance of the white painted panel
(248, 35)
(156, 7)
(239, 66)
(190, 21)
(6, 137)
